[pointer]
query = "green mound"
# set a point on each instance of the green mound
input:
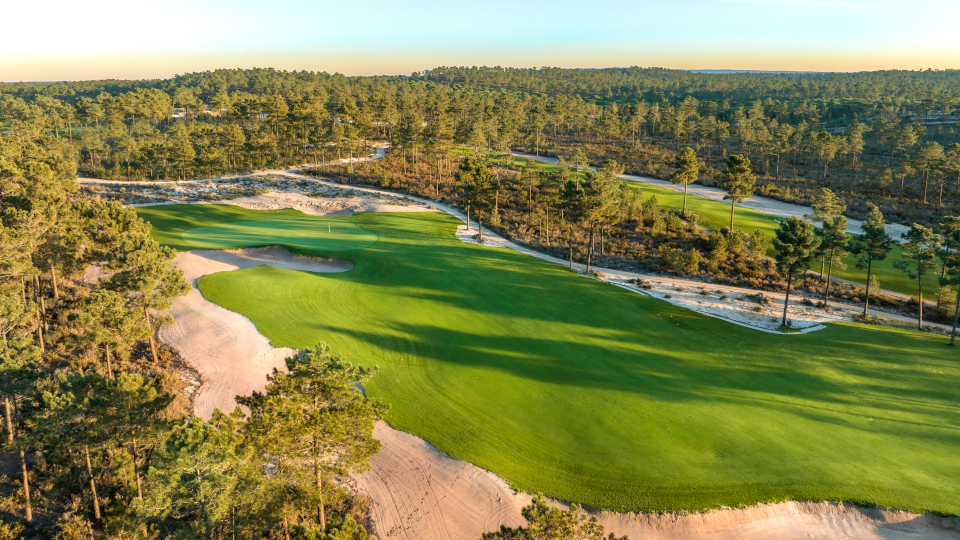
(597, 395)
(215, 226)
(297, 233)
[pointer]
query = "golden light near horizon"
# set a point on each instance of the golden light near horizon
(58, 40)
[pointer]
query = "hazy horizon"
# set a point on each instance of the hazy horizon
(59, 40)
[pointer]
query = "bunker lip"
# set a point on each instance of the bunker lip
(225, 347)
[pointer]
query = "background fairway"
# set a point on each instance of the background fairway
(715, 215)
(222, 226)
(593, 394)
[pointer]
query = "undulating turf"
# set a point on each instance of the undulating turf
(593, 394)
(220, 227)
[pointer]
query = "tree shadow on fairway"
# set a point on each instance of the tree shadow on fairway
(681, 374)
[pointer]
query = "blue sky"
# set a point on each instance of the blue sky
(57, 39)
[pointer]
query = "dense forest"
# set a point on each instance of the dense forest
(886, 138)
(99, 438)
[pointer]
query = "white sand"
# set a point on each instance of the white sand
(225, 347)
(323, 206)
(420, 493)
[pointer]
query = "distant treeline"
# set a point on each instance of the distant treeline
(888, 138)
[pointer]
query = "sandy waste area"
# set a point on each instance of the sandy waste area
(326, 206)
(421, 493)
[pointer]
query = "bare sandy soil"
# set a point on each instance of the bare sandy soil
(225, 347)
(420, 493)
(324, 206)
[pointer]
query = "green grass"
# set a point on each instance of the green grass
(223, 226)
(715, 215)
(593, 394)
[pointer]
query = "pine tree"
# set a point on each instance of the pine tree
(476, 186)
(833, 244)
(313, 423)
(551, 523)
(738, 180)
(951, 261)
(919, 251)
(872, 245)
(687, 169)
(145, 270)
(795, 242)
(199, 478)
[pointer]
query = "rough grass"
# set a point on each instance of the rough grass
(715, 215)
(593, 394)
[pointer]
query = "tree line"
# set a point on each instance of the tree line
(886, 138)
(95, 420)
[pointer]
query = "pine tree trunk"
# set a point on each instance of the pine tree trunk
(26, 488)
(27, 507)
(136, 469)
(733, 205)
(956, 315)
(919, 293)
(93, 485)
(786, 301)
(826, 296)
(40, 331)
(53, 276)
(590, 249)
(9, 414)
(106, 349)
(153, 341)
(866, 302)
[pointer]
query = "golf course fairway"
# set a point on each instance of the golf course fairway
(589, 393)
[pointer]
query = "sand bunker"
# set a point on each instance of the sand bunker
(323, 206)
(420, 493)
(225, 347)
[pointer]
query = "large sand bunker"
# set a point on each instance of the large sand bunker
(225, 347)
(325, 206)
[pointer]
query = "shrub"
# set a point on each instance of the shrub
(680, 262)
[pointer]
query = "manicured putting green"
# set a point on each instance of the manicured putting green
(298, 233)
(601, 396)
